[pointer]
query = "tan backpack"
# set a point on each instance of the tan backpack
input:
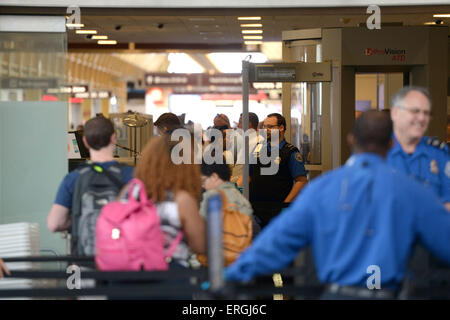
(237, 232)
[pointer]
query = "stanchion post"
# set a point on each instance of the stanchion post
(215, 245)
(245, 83)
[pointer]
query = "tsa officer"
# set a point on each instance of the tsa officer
(269, 194)
(361, 221)
(424, 158)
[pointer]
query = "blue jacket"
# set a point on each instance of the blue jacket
(359, 215)
(429, 165)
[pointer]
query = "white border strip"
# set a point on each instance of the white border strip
(218, 3)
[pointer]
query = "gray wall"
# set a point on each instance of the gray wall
(33, 161)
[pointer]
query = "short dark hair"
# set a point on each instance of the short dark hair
(98, 132)
(281, 121)
(168, 120)
(222, 170)
(373, 129)
(253, 120)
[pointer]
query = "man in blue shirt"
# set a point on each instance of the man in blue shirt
(269, 193)
(423, 158)
(99, 138)
(358, 218)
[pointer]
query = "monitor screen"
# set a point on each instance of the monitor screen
(73, 148)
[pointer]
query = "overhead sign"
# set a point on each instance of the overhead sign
(28, 83)
(290, 72)
(69, 89)
(192, 79)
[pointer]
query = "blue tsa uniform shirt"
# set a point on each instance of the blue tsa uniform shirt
(360, 215)
(67, 186)
(429, 165)
(295, 164)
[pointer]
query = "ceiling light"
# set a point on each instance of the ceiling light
(249, 18)
(252, 37)
(252, 31)
(99, 37)
(441, 15)
(253, 42)
(251, 25)
(86, 31)
(107, 42)
(74, 25)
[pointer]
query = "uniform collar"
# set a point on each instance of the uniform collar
(420, 149)
(368, 157)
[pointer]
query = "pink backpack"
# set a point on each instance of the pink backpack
(128, 234)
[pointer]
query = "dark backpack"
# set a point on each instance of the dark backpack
(94, 188)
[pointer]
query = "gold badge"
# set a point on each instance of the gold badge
(434, 167)
(277, 160)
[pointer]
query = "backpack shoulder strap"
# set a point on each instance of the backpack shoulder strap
(174, 244)
(224, 198)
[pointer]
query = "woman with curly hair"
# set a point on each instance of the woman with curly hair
(176, 190)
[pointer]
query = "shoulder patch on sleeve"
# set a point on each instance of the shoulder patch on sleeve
(298, 157)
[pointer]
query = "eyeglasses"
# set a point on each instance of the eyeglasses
(416, 111)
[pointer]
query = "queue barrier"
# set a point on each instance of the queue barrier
(173, 284)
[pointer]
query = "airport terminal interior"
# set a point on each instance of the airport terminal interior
(321, 67)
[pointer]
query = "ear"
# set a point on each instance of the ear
(394, 112)
(85, 142)
(351, 140)
(113, 139)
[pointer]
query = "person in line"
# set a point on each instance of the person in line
(167, 123)
(362, 216)
(176, 191)
(238, 145)
(217, 177)
(100, 139)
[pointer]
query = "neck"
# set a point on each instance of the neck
(103, 155)
(382, 152)
(408, 145)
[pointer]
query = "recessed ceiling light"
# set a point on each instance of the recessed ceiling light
(249, 18)
(86, 31)
(99, 37)
(251, 25)
(441, 15)
(107, 42)
(74, 25)
(252, 31)
(253, 42)
(252, 37)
